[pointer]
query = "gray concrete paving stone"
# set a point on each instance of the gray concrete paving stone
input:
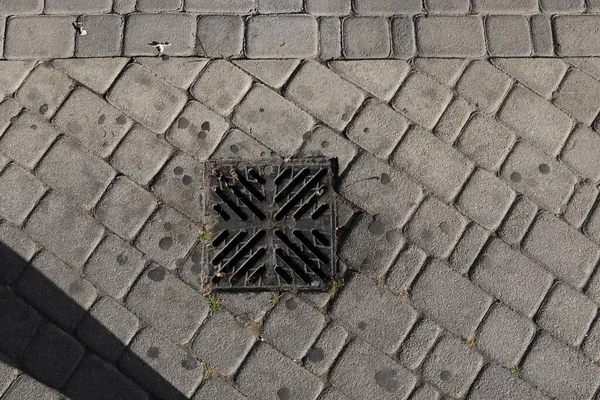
(323, 353)
(217, 389)
(581, 152)
(450, 36)
(22, 249)
(221, 35)
(176, 29)
(324, 142)
(403, 38)
(519, 218)
(104, 36)
(484, 85)
(20, 194)
(405, 268)
(281, 36)
(452, 121)
(468, 247)
(419, 342)
(542, 75)
(330, 38)
(20, 323)
(584, 105)
(580, 205)
(508, 36)
(366, 37)
(497, 383)
(27, 139)
(39, 37)
(44, 90)
(96, 73)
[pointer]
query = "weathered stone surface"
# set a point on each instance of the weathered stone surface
(15, 7)
(578, 95)
(581, 152)
(572, 35)
(19, 324)
(405, 268)
(330, 38)
(279, 6)
(221, 35)
(44, 90)
(403, 38)
(177, 29)
(240, 145)
(178, 71)
(104, 36)
(327, 7)
(274, 73)
(385, 7)
(325, 142)
(418, 344)
(496, 382)
(39, 37)
(281, 36)
(12, 74)
(542, 75)
(447, 6)
(453, 120)
(25, 387)
(96, 73)
(508, 35)
(366, 37)
(220, 6)
(19, 193)
(444, 70)
(580, 205)
(468, 247)
(517, 221)
(325, 350)
(16, 249)
(541, 35)
(505, 6)
(450, 36)
(484, 85)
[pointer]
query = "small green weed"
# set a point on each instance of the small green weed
(335, 287)
(214, 303)
(205, 235)
(275, 299)
(515, 371)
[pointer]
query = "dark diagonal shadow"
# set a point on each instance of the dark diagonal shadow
(48, 346)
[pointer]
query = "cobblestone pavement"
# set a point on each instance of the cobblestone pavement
(468, 218)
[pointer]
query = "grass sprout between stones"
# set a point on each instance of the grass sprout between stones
(214, 302)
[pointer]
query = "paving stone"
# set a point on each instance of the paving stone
(123, 6)
(447, 6)
(324, 94)
(27, 139)
(12, 74)
(505, 6)
(218, 388)
(9, 108)
(328, 7)
(366, 37)
(330, 38)
(223, 342)
(559, 370)
(542, 75)
(368, 374)
(403, 38)
(177, 29)
(141, 155)
(484, 85)
(267, 373)
(324, 142)
(541, 35)
(485, 199)
(19, 324)
(378, 129)
(504, 335)
(332, 394)
(281, 36)
(589, 65)
(373, 185)
(147, 98)
(8, 374)
(591, 344)
(159, 5)
(324, 351)
(418, 343)
(189, 268)
(569, 6)
(160, 366)
(567, 314)
(4, 161)
(220, 6)
(77, 6)
(486, 141)
(450, 37)
(44, 90)
(64, 229)
(16, 249)
(497, 383)
(432, 162)
(452, 366)
(92, 121)
(581, 152)
(272, 72)
(104, 36)
(279, 6)
(580, 205)
(39, 37)
(292, 327)
(15, 7)
(20, 193)
(450, 299)
(240, 145)
(249, 306)
(573, 261)
(425, 392)
(593, 287)
(221, 86)
(178, 71)
(369, 311)
(592, 227)
(572, 35)
(539, 177)
(444, 70)
(221, 35)
(405, 268)
(273, 120)
(96, 73)
(577, 95)
(508, 35)
(76, 173)
(422, 99)
(468, 247)
(198, 130)
(95, 379)
(386, 7)
(114, 266)
(26, 387)
(453, 120)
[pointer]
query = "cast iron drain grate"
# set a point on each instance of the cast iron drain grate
(271, 223)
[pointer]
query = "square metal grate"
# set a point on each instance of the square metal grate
(271, 224)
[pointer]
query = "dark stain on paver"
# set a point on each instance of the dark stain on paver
(388, 380)
(316, 354)
(446, 375)
(153, 352)
(186, 180)
(122, 259)
(362, 325)
(101, 119)
(197, 257)
(290, 304)
(157, 274)
(202, 135)
(183, 123)
(385, 179)
(284, 394)
(43, 108)
(34, 127)
(544, 169)
(234, 148)
(160, 106)
(178, 170)
(165, 243)
(325, 144)
(516, 177)
(75, 287)
(189, 363)
(180, 262)
(121, 120)
(168, 226)
(426, 235)
(392, 237)
(366, 130)
(196, 268)
(445, 227)
(377, 227)
(205, 126)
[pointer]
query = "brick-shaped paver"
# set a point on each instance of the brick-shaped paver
(365, 373)
(447, 6)
(266, 373)
(249, 306)
(592, 227)
(44, 90)
(328, 7)
(25, 387)
(330, 38)
(536, 119)
(418, 343)
(425, 392)
(486, 199)
(505, 6)
(570, 33)
(450, 36)
(141, 155)
(453, 120)
(372, 184)
(281, 36)
(20, 323)
(92, 121)
(591, 345)
(159, 5)
(581, 152)
(496, 382)
(325, 142)
(198, 130)
(323, 353)
(274, 73)
(239, 145)
(589, 65)
(504, 335)
(559, 6)
(468, 247)
(96, 73)
(279, 6)
(104, 36)
(180, 184)
(8, 374)
(223, 342)
(177, 29)
(220, 6)
(221, 86)
(542, 75)
(541, 35)
(517, 222)
(567, 314)
(403, 38)
(39, 37)
(508, 36)
(384, 7)
(77, 6)
(539, 177)
(178, 71)
(573, 260)
(405, 268)
(107, 328)
(332, 394)
(324, 94)
(273, 120)
(19, 194)
(161, 101)
(432, 162)
(218, 388)
(221, 35)
(366, 37)
(580, 205)
(436, 227)
(72, 170)
(16, 250)
(13, 74)
(64, 229)
(444, 70)
(450, 299)
(484, 85)
(559, 370)
(16, 7)
(578, 96)
(452, 366)
(422, 99)
(114, 266)
(292, 327)
(381, 78)
(151, 354)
